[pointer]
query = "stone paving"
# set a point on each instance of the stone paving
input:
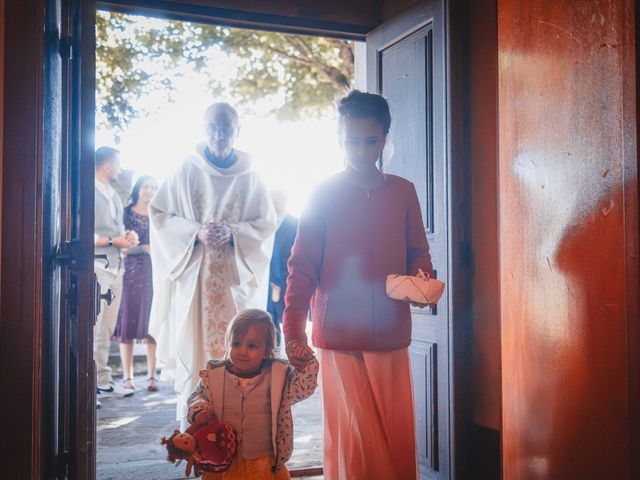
(129, 432)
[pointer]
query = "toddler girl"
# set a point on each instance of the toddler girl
(253, 391)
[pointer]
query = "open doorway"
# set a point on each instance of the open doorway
(155, 77)
(413, 40)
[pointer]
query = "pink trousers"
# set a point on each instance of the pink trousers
(367, 401)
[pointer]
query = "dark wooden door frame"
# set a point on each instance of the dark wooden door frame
(197, 12)
(20, 308)
(460, 235)
(68, 306)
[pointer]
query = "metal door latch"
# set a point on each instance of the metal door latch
(102, 256)
(107, 296)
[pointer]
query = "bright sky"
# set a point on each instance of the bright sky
(292, 156)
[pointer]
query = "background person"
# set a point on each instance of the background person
(137, 291)
(110, 238)
(212, 226)
(278, 272)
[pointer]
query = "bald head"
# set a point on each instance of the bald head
(219, 107)
(222, 126)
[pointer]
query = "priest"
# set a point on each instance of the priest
(212, 226)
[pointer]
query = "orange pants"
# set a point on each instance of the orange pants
(367, 400)
(258, 469)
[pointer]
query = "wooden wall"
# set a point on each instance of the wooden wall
(568, 239)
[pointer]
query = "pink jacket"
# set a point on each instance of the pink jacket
(349, 239)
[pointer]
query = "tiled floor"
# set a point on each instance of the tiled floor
(130, 429)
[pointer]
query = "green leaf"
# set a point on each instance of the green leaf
(137, 57)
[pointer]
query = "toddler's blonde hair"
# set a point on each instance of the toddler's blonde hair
(241, 322)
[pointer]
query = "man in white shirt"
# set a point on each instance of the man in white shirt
(110, 239)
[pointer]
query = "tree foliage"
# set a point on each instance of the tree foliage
(302, 75)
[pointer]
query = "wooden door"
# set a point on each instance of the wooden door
(69, 281)
(568, 177)
(405, 62)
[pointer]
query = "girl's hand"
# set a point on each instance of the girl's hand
(203, 416)
(299, 354)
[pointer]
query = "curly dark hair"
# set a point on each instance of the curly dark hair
(359, 104)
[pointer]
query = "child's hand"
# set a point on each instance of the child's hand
(203, 416)
(299, 354)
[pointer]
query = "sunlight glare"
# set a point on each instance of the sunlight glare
(119, 422)
(292, 156)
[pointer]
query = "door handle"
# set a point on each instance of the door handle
(107, 296)
(103, 256)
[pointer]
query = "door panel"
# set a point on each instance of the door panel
(405, 79)
(405, 62)
(424, 369)
(68, 197)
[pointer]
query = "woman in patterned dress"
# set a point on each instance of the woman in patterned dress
(137, 291)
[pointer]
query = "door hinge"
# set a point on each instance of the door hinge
(65, 47)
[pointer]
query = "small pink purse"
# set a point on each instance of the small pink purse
(418, 289)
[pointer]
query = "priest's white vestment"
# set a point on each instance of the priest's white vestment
(198, 289)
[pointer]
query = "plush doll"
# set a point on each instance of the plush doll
(208, 445)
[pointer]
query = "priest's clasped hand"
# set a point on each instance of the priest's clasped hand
(215, 234)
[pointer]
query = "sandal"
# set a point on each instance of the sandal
(128, 384)
(151, 384)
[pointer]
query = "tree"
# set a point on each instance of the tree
(135, 56)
